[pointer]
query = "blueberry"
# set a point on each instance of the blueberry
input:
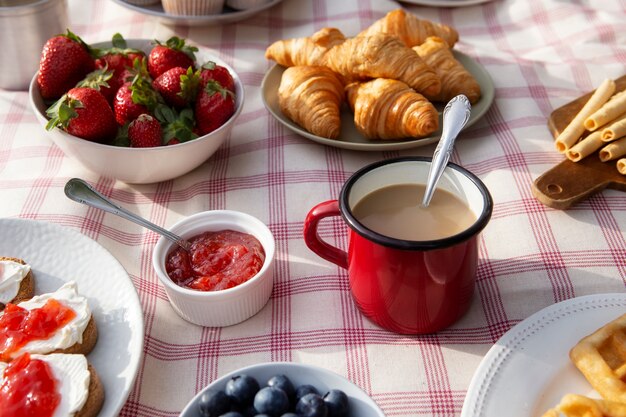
(311, 405)
(289, 415)
(282, 382)
(232, 414)
(242, 389)
(272, 401)
(305, 389)
(337, 403)
(247, 411)
(213, 403)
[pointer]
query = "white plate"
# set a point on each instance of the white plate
(528, 370)
(445, 3)
(361, 405)
(57, 255)
(350, 137)
(228, 15)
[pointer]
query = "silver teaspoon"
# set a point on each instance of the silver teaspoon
(81, 192)
(455, 116)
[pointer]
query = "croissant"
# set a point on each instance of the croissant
(304, 51)
(311, 96)
(389, 109)
(410, 29)
(382, 56)
(455, 79)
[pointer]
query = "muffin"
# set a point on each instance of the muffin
(245, 4)
(192, 7)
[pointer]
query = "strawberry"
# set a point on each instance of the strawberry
(145, 132)
(139, 68)
(214, 106)
(134, 98)
(118, 61)
(119, 58)
(178, 86)
(173, 54)
(124, 108)
(83, 112)
(65, 60)
(212, 71)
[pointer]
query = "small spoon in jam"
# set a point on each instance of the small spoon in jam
(81, 192)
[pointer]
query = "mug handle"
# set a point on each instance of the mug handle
(312, 237)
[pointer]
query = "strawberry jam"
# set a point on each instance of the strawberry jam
(216, 261)
(28, 389)
(19, 326)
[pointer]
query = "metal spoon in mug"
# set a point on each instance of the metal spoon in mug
(81, 192)
(455, 116)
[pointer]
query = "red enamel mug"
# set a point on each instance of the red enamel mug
(405, 286)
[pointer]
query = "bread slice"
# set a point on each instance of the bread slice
(70, 371)
(90, 337)
(95, 398)
(27, 286)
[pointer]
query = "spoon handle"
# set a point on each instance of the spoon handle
(455, 116)
(81, 192)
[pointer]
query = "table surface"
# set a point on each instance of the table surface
(541, 54)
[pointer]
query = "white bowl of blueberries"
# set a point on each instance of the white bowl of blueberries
(282, 389)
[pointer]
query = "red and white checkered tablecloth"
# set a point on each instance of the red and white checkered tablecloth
(540, 54)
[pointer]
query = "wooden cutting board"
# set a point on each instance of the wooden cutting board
(570, 182)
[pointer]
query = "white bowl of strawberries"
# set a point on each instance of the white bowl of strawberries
(135, 110)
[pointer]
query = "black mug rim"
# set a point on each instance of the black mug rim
(448, 241)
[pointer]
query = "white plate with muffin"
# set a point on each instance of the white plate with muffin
(198, 12)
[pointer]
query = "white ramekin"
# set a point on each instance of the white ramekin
(223, 307)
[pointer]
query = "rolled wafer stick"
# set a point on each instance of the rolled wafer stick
(585, 147)
(611, 110)
(615, 130)
(621, 166)
(572, 132)
(613, 150)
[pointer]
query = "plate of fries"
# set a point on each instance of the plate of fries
(545, 365)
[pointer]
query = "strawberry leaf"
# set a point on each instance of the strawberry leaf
(62, 112)
(176, 125)
(122, 139)
(189, 83)
(96, 79)
(213, 87)
(187, 116)
(71, 35)
(165, 114)
(118, 47)
(143, 93)
(118, 41)
(178, 44)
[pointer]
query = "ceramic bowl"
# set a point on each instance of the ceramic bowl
(140, 165)
(223, 307)
(361, 405)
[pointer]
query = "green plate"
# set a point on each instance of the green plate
(351, 138)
